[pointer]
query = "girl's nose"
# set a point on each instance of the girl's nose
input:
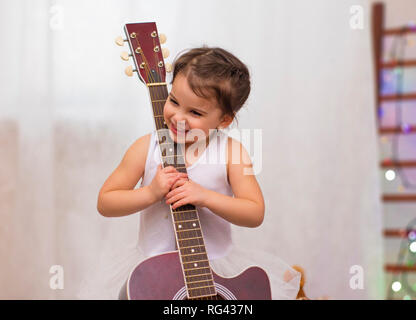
(179, 123)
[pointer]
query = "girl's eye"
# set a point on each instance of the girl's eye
(196, 113)
(173, 101)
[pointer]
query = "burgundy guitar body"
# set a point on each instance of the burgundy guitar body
(186, 273)
(161, 278)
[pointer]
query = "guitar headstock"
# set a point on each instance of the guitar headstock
(145, 49)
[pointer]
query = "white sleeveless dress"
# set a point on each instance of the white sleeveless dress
(156, 233)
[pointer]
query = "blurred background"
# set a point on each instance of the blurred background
(338, 201)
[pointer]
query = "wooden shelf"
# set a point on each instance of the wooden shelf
(397, 31)
(399, 268)
(397, 233)
(399, 197)
(395, 64)
(398, 164)
(397, 130)
(396, 97)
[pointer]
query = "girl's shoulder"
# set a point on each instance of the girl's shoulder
(137, 153)
(141, 144)
(237, 153)
(131, 167)
(237, 158)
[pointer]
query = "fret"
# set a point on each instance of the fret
(202, 277)
(170, 156)
(161, 125)
(199, 284)
(164, 133)
(188, 225)
(160, 100)
(158, 93)
(201, 292)
(191, 242)
(188, 207)
(176, 165)
(195, 249)
(197, 269)
(209, 286)
(189, 234)
(166, 144)
(187, 221)
(172, 161)
(170, 144)
(163, 138)
(196, 265)
(171, 150)
(200, 281)
(183, 170)
(197, 272)
(184, 215)
(194, 257)
(159, 105)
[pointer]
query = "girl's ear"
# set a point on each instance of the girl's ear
(226, 121)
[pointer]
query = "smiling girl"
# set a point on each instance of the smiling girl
(209, 87)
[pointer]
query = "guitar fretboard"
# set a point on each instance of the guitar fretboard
(195, 264)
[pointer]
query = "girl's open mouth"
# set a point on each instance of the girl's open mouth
(175, 131)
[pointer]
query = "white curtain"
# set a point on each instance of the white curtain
(68, 114)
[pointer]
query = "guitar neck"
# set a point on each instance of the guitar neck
(189, 239)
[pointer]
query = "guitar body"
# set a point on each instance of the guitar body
(161, 278)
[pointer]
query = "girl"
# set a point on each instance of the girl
(209, 86)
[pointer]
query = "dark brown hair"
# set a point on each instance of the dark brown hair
(215, 73)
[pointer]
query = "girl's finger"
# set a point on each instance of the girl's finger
(169, 169)
(172, 175)
(171, 181)
(179, 203)
(174, 197)
(171, 192)
(178, 183)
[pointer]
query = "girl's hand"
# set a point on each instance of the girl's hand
(164, 179)
(186, 191)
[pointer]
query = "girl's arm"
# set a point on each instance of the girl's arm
(246, 208)
(117, 197)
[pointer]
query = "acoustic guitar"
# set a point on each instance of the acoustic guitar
(185, 273)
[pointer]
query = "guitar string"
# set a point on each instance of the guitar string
(146, 64)
(193, 232)
(155, 58)
(181, 215)
(158, 93)
(158, 96)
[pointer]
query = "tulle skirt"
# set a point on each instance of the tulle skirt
(106, 279)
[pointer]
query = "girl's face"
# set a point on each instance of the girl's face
(185, 111)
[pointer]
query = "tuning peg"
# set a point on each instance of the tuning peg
(120, 41)
(129, 71)
(125, 56)
(168, 67)
(165, 52)
(162, 38)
